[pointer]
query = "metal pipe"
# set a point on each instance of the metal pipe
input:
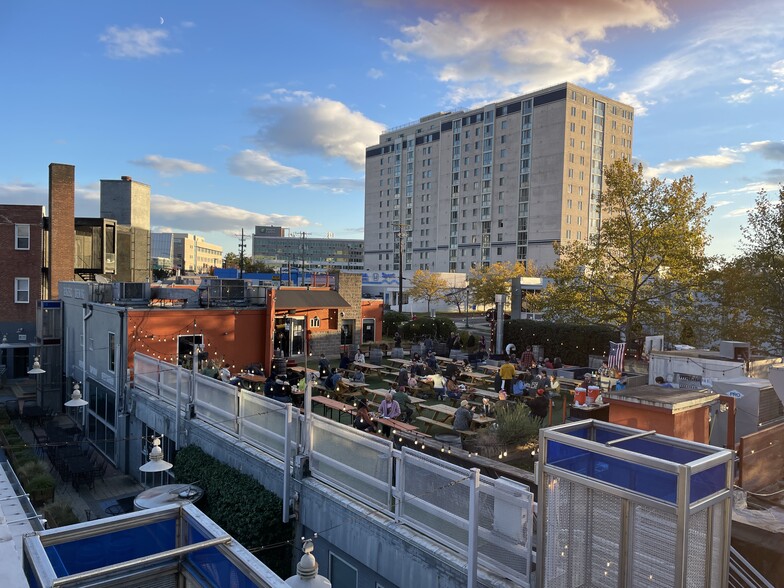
(473, 527)
(141, 561)
(287, 461)
(630, 437)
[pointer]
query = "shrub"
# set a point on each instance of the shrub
(515, 427)
(239, 504)
(40, 488)
(572, 343)
(29, 471)
(420, 327)
(392, 321)
(59, 514)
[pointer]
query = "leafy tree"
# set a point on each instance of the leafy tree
(231, 259)
(761, 270)
(487, 281)
(425, 285)
(642, 269)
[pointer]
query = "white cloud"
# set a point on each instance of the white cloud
(256, 166)
(299, 122)
(727, 156)
(737, 212)
(374, 73)
(198, 217)
(169, 166)
(750, 189)
(334, 185)
(135, 42)
(733, 47)
(724, 158)
(513, 47)
(720, 203)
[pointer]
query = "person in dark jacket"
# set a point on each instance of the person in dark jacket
(363, 420)
(539, 405)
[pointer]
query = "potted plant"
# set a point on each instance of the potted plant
(41, 489)
(29, 471)
(59, 514)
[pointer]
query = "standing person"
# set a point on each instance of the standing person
(455, 342)
(439, 385)
(502, 404)
(527, 358)
(507, 373)
(431, 361)
(482, 344)
(323, 367)
(428, 343)
(463, 417)
(344, 361)
(388, 409)
(363, 420)
(398, 339)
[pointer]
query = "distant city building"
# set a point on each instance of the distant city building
(128, 202)
(186, 252)
(280, 248)
(502, 182)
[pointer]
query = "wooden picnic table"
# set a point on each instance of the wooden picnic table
(401, 362)
(251, 382)
(301, 370)
(474, 377)
(368, 367)
(380, 393)
(491, 394)
(332, 404)
(448, 412)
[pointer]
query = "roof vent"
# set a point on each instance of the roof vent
(126, 178)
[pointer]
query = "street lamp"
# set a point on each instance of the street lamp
(156, 463)
(76, 400)
(36, 369)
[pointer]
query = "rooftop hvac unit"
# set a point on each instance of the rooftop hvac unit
(222, 292)
(131, 291)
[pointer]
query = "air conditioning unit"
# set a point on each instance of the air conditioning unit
(131, 291)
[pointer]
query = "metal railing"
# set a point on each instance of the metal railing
(487, 520)
(743, 574)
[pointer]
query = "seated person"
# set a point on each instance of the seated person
(488, 408)
(281, 391)
(452, 369)
(363, 420)
(502, 404)
(557, 363)
(660, 381)
(358, 376)
(454, 390)
(406, 410)
(463, 417)
(553, 386)
(388, 409)
(333, 380)
(431, 361)
(518, 388)
(622, 382)
(539, 405)
(359, 357)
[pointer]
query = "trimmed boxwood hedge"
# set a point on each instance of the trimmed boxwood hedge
(572, 343)
(240, 505)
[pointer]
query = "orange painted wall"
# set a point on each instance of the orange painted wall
(240, 337)
(691, 425)
(374, 309)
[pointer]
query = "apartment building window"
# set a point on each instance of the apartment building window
(22, 236)
(22, 290)
(500, 251)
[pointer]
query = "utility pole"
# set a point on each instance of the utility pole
(242, 253)
(302, 235)
(400, 227)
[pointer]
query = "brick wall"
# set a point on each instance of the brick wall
(61, 226)
(20, 263)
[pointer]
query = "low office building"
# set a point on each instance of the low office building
(280, 248)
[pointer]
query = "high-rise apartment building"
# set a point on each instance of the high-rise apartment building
(502, 182)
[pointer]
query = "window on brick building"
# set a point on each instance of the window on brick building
(23, 236)
(22, 290)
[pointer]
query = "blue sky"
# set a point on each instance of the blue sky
(258, 112)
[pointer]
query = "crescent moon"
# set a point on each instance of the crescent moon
(161, 20)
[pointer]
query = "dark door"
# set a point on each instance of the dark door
(368, 330)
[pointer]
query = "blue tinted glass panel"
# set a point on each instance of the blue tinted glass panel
(213, 569)
(708, 482)
(111, 548)
(609, 470)
(661, 450)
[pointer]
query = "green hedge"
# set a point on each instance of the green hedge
(572, 343)
(240, 505)
(392, 321)
(438, 328)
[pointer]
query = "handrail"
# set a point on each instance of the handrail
(744, 575)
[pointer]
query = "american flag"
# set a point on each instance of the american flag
(615, 360)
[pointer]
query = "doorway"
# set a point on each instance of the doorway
(290, 335)
(368, 330)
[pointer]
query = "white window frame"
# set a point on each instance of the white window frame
(18, 236)
(17, 289)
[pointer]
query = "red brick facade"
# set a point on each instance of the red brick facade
(20, 263)
(61, 225)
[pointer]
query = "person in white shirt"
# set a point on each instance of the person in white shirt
(359, 357)
(225, 374)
